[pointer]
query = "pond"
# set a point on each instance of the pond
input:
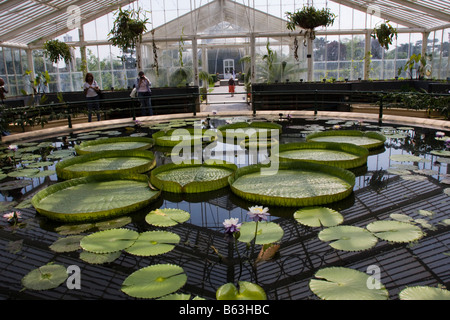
(404, 181)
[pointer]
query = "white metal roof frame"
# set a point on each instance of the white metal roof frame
(29, 23)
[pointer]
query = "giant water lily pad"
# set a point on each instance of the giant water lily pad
(94, 198)
(192, 177)
(112, 144)
(245, 130)
(424, 293)
(183, 137)
(108, 241)
(293, 184)
(369, 140)
(167, 217)
(245, 291)
(46, 277)
(154, 281)
(395, 231)
(108, 162)
(348, 238)
(339, 283)
(267, 232)
(152, 243)
(342, 155)
(318, 217)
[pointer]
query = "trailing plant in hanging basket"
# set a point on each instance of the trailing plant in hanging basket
(310, 18)
(127, 29)
(385, 34)
(57, 50)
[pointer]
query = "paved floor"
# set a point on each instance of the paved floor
(221, 101)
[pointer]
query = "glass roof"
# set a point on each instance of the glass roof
(31, 22)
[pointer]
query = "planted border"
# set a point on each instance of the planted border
(194, 186)
(360, 152)
(92, 215)
(350, 133)
(345, 175)
(83, 148)
(63, 170)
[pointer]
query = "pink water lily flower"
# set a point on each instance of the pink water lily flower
(12, 216)
(258, 213)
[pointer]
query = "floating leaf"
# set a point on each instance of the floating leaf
(339, 283)
(99, 258)
(152, 243)
(401, 217)
(441, 153)
(109, 240)
(268, 232)
(318, 217)
(447, 191)
(154, 281)
(15, 184)
(425, 224)
(298, 184)
(67, 244)
(110, 144)
(46, 277)
(112, 224)
(167, 217)
(246, 291)
(94, 197)
(348, 238)
(24, 173)
(369, 140)
(426, 213)
(406, 158)
(424, 293)
(395, 231)
(73, 228)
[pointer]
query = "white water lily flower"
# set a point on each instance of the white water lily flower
(258, 213)
(231, 225)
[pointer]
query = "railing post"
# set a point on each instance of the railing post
(315, 103)
(380, 114)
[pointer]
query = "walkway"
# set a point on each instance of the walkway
(221, 101)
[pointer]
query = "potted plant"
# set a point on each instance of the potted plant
(309, 18)
(127, 29)
(57, 50)
(385, 34)
(421, 62)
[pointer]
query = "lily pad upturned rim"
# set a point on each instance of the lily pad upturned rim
(92, 216)
(188, 142)
(253, 125)
(63, 172)
(360, 152)
(194, 186)
(149, 142)
(368, 134)
(343, 174)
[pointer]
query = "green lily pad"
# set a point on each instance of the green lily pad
(73, 229)
(424, 293)
(67, 244)
(406, 158)
(337, 283)
(154, 281)
(246, 291)
(99, 258)
(24, 173)
(348, 238)
(15, 184)
(109, 240)
(46, 277)
(318, 217)
(268, 232)
(152, 243)
(167, 217)
(395, 231)
(113, 144)
(441, 153)
(369, 140)
(400, 217)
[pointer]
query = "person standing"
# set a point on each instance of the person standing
(91, 91)
(231, 86)
(144, 92)
(2, 90)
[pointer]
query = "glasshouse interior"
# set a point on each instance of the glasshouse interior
(225, 150)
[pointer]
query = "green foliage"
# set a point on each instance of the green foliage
(244, 291)
(420, 63)
(127, 29)
(385, 34)
(56, 50)
(46, 277)
(310, 18)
